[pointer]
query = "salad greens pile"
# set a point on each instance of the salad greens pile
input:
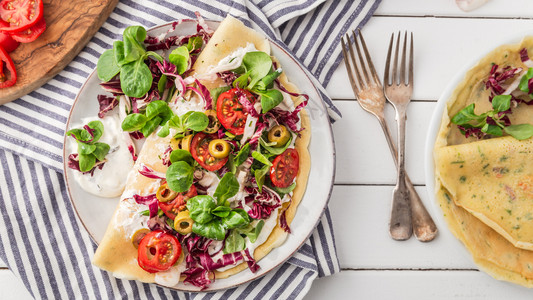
(494, 122)
(506, 92)
(90, 150)
(258, 77)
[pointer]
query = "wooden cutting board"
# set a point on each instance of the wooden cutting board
(70, 24)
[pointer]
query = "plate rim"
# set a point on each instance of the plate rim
(312, 229)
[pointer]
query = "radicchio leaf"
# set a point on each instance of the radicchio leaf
(262, 204)
(150, 173)
(150, 200)
(525, 58)
(283, 218)
(74, 163)
(106, 104)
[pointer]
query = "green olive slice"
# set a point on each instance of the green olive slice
(278, 135)
(165, 194)
(219, 148)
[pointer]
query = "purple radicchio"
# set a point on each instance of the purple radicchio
(150, 201)
(262, 204)
(497, 78)
(524, 57)
(74, 163)
(106, 104)
(150, 173)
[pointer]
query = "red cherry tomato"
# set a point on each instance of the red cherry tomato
(230, 112)
(30, 34)
(5, 80)
(200, 152)
(20, 14)
(7, 42)
(285, 168)
(158, 251)
(173, 207)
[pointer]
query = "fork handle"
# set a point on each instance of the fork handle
(424, 227)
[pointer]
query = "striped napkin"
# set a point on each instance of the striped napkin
(42, 240)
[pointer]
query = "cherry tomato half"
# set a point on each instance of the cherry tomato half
(173, 207)
(158, 251)
(20, 14)
(285, 168)
(5, 80)
(200, 152)
(230, 112)
(30, 34)
(7, 42)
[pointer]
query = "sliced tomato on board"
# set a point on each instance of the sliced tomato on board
(230, 111)
(158, 251)
(7, 80)
(20, 14)
(30, 34)
(173, 207)
(285, 168)
(200, 152)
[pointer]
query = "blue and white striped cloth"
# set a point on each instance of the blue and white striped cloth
(41, 238)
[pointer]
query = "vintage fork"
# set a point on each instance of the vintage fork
(369, 93)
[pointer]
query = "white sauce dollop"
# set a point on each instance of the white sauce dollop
(170, 277)
(111, 179)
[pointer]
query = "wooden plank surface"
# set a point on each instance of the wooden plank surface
(412, 285)
(70, 25)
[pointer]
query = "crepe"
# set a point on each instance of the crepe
(483, 186)
(116, 252)
(493, 180)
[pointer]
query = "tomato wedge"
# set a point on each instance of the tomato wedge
(4, 80)
(200, 152)
(230, 112)
(30, 34)
(158, 251)
(7, 42)
(173, 207)
(20, 14)
(285, 168)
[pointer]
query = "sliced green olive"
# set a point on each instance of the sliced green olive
(164, 194)
(279, 135)
(219, 148)
(186, 142)
(183, 222)
(214, 123)
(138, 236)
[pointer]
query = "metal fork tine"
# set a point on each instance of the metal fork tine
(387, 62)
(362, 61)
(368, 58)
(354, 62)
(348, 64)
(411, 62)
(404, 54)
(395, 66)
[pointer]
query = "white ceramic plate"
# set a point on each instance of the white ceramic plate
(433, 130)
(95, 212)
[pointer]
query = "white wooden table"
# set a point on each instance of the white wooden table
(373, 265)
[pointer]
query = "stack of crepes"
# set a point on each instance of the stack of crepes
(485, 187)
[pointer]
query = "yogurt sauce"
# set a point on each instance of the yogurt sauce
(111, 179)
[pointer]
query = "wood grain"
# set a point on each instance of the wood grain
(70, 25)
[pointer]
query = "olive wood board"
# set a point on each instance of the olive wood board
(69, 27)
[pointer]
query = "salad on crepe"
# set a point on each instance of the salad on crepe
(213, 143)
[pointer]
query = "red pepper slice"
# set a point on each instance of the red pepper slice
(6, 59)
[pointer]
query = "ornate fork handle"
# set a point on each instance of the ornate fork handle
(424, 228)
